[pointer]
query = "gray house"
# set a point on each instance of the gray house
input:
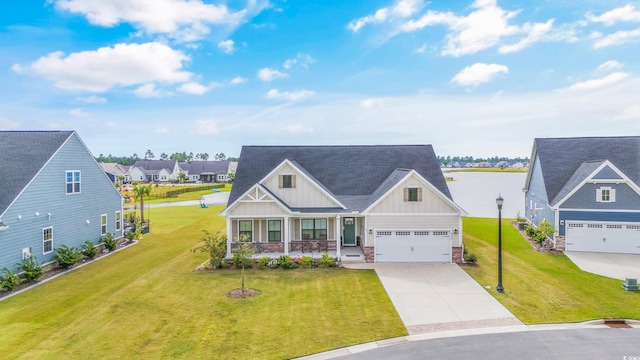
(589, 189)
(208, 171)
(385, 203)
(52, 192)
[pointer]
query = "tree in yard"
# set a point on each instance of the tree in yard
(547, 229)
(139, 192)
(121, 179)
(216, 246)
(231, 176)
(243, 256)
(182, 176)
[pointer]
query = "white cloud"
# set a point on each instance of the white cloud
(275, 94)
(422, 49)
(162, 130)
(78, 112)
(226, 46)
(479, 73)
(205, 127)
(121, 65)
(599, 83)
(93, 99)
(194, 88)
(238, 80)
(179, 19)
(617, 38)
(535, 32)
(268, 74)
(297, 128)
(303, 60)
(610, 65)
(8, 124)
(368, 103)
(625, 13)
(148, 91)
(401, 9)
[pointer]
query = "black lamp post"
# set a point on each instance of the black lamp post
(499, 202)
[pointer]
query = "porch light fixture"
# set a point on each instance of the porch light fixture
(3, 226)
(455, 231)
(370, 231)
(499, 202)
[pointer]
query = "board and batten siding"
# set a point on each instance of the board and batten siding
(305, 195)
(256, 208)
(46, 194)
(431, 203)
(414, 222)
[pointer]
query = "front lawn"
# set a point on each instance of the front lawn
(158, 193)
(145, 302)
(543, 287)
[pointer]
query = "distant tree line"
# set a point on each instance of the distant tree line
(443, 160)
(177, 156)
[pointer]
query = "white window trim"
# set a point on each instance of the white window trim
(104, 226)
(43, 229)
(612, 194)
(73, 192)
(118, 221)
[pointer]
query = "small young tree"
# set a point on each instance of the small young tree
(243, 256)
(547, 229)
(216, 246)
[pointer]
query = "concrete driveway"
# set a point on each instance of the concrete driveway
(617, 266)
(437, 297)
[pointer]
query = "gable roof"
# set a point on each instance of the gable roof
(22, 155)
(153, 166)
(113, 168)
(208, 167)
(561, 158)
(351, 173)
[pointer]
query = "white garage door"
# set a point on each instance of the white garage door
(603, 237)
(413, 246)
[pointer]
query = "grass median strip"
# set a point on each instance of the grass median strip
(543, 287)
(146, 302)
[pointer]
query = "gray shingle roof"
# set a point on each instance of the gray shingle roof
(560, 158)
(351, 173)
(209, 167)
(154, 166)
(22, 155)
(585, 169)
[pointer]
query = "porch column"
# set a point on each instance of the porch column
(338, 242)
(286, 235)
(229, 236)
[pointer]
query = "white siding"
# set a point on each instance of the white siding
(305, 194)
(394, 202)
(256, 208)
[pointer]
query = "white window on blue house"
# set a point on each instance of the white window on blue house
(103, 224)
(605, 194)
(47, 240)
(73, 182)
(118, 218)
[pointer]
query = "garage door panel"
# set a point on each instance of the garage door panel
(413, 246)
(603, 237)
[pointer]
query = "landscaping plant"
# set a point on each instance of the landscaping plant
(66, 256)
(109, 242)
(264, 262)
(31, 269)
(326, 261)
(243, 256)
(216, 246)
(285, 262)
(9, 280)
(89, 250)
(305, 261)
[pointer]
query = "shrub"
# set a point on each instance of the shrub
(264, 261)
(89, 250)
(66, 256)
(305, 261)
(326, 261)
(9, 280)
(529, 230)
(469, 257)
(285, 262)
(32, 270)
(520, 218)
(109, 242)
(240, 261)
(216, 246)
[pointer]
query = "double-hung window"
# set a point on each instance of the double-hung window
(118, 218)
(314, 229)
(245, 230)
(103, 224)
(73, 181)
(275, 230)
(287, 181)
(47, 240)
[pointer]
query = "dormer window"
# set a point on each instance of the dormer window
(287, 181)
(605, 194)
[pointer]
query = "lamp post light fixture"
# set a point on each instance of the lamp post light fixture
(499, 202)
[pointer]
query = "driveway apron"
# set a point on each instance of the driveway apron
(617, 266)
(438, 297)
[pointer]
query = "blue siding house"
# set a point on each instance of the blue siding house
(52, 192)
(589, 189)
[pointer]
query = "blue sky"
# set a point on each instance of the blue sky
(479, 78)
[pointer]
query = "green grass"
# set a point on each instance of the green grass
(157, 192)
(146, 302)
(543, 287)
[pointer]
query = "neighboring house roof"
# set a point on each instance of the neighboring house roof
(353, 174)
(154, 166)
(113, 168)
(562, 160)
(208, 167)
(22, 155)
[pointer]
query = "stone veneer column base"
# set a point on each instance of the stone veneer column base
(368, 254)
(560, 243)
(456, 254)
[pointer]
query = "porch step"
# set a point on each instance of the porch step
(352, 259)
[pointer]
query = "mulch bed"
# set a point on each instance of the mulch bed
(55, 271)
(534, 244)
(243, 294)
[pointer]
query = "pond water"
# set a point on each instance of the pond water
(476, 192)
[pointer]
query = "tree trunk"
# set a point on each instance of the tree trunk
(242, 287)
(142, 208)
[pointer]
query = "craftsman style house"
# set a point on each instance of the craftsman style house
(589, 189)
(390, 202)
(52, 192)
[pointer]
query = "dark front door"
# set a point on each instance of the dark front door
(349, 231)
